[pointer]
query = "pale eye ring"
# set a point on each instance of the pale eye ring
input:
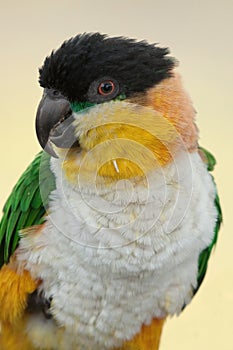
(103, 89)
(106, 88)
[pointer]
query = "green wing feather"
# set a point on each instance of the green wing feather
(25, 206)
(205, 254)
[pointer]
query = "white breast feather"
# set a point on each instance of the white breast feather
(114, 259)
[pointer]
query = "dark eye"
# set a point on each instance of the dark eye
(106, 88)
(103, 89)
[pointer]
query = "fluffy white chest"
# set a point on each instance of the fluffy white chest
(114, 259)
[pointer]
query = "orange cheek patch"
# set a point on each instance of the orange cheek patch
(171, 100)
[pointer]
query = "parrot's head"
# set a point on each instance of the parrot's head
(113, 107)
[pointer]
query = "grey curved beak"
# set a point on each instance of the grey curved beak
(54, 122)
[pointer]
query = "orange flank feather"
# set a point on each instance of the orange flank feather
(14, 289)
(12, 337)
(147, 339)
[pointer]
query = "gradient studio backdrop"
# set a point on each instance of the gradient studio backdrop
(199, 34)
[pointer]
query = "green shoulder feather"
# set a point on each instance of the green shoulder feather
(205, 254)
(25, 206)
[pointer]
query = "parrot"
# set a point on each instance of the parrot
(109, 231)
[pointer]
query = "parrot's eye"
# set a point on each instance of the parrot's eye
(106, 88)
(103, 89)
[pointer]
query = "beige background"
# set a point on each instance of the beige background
(199, 34)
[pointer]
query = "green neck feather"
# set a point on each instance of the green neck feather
(79, 106)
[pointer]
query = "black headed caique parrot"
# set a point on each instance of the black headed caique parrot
(110, 228)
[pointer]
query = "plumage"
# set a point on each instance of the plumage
(83, 59)
(102, 241)
(25, 206)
